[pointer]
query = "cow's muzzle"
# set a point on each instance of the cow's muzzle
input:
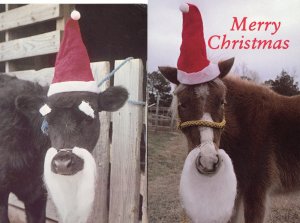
(65, 162)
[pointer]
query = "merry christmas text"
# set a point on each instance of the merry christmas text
(244, 25)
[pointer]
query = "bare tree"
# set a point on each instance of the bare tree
(246, 73)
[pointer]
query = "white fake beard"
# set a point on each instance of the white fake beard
(208, 198)
(72, 195)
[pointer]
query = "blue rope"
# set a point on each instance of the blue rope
(112, 73)
(136, 102)
(44, 127)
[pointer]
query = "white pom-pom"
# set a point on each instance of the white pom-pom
(75, 15)
(184, 7)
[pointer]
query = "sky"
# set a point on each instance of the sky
(165, 25)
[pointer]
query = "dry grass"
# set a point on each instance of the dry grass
(166, 155)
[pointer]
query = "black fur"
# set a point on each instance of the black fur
(22, 147)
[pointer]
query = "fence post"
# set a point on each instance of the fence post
(125, 155)
(157, 111)
(101, 153)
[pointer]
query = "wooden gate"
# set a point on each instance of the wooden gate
(121, 194)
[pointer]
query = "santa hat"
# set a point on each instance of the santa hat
(193, 65)
(72, 66)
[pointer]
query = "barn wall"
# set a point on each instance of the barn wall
(110, 32)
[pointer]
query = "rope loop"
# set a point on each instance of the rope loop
(112, 73)
(214, 125)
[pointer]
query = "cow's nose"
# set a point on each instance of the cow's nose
(62, 164)
(66, 163)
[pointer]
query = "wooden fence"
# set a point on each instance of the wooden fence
(160, 119)
(28, 32)
(121, 194)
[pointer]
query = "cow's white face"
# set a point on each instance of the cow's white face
(73, 121)
(73, 129)
(74, 194)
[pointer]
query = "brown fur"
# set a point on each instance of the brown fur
(262, 137)
(192, 106)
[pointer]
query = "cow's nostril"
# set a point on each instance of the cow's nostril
(62, 163)
(55, 164)
(68, 163)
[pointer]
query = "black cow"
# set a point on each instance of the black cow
(23, 145)
(73, 128)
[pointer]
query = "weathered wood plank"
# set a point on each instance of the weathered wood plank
(30, 46)
(144, 177)
(43, 76)
(28, 14)
(17, 215)
(145, 198)
(8, 36)
(18, 206)
(65, 11)
(101, 152)
(125, 155)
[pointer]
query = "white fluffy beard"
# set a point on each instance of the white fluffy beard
(208, 198)
(72, 195)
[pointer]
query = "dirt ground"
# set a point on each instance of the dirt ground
(166, 154)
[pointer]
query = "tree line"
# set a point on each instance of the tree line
(160, 88)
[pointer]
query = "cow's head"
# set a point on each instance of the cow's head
(73, 122)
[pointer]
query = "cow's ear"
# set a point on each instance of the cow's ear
(225, 66)
(170, 73)
(112, 99)
(28, 104)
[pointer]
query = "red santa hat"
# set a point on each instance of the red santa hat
(193, 66)
(72, 66)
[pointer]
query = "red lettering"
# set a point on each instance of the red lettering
(234, 42)
(286, 44)
(210, 42)
(247, 44)
(277, 44)
(225, 43)
(252, 26)
(238, 26)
